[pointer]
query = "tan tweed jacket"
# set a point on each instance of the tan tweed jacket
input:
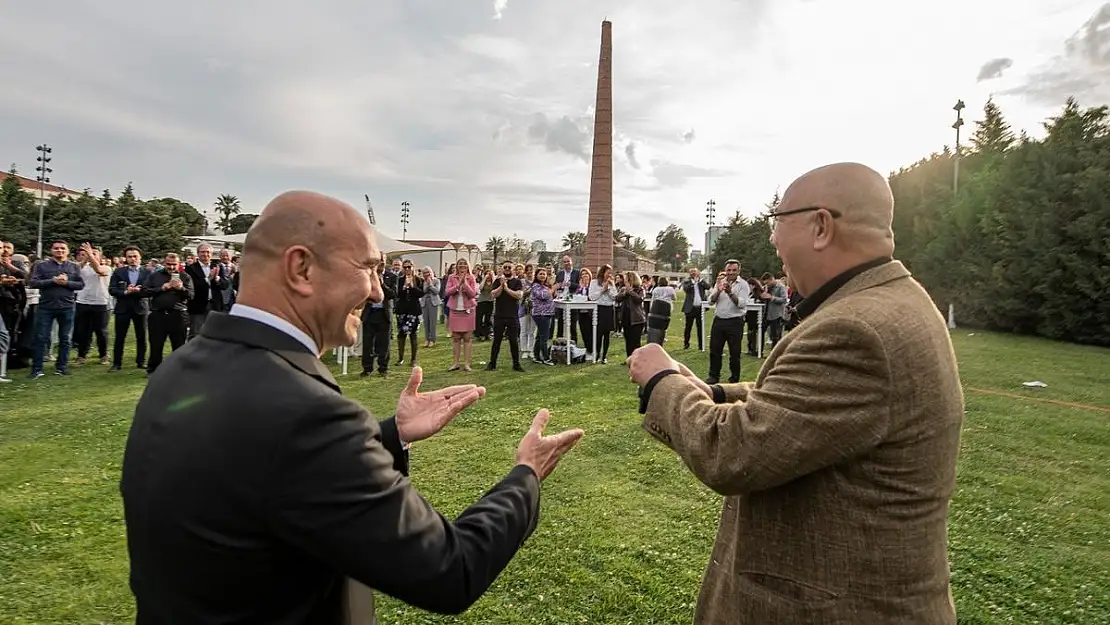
(837, 465)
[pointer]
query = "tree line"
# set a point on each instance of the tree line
(1021, 245)
(156, 226)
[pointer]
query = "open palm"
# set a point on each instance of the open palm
(421, 415)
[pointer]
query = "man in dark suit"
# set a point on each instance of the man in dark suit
(696, 290)
(260, 494)
(209, 281)
(839, 462)
(377, 324)
(566, 280)
(132, 306)
(169, 290)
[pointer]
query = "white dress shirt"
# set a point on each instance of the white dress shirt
(277, 323)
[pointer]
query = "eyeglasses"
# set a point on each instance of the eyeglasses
(772, 217)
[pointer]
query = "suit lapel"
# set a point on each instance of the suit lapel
(235, 329)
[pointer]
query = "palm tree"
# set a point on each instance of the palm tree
(574, 241)
(227, 206)
(495, 246)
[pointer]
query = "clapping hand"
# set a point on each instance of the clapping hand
(61, 278)
(542, 453)
(422, 415)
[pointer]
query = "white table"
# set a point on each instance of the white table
(343, 354)
(752, 305)
(567, 307)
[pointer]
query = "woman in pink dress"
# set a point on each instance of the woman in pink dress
(462, 289)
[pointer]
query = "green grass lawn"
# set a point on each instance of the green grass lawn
(625, 531)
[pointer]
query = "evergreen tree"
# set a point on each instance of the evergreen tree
(992, 133)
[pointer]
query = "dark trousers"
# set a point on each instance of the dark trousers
(693, 317)
(560, 328)
(91, 320)
(10, 315)
(752, 321)
(774, 328)
(503, 326)
(632, 335)
(585, 323)
(376, 330)
(542, 350)
(485, 317)
(44, 323)
(723, 331)
(123, 323)
(165, 324)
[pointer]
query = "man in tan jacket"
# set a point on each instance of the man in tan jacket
(839, 461)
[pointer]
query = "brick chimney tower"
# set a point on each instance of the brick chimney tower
(599, 227)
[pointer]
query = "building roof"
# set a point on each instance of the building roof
(429, 243)
(31, 184)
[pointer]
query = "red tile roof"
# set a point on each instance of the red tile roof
(34, 185)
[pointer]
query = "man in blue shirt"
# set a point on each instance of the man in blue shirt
(58, 279)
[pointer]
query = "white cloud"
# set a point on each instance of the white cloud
(485, 126)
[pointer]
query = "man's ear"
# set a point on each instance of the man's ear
(823, 230)
(299, 267)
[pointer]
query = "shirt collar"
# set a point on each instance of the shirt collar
(811, 303)
(275, 322)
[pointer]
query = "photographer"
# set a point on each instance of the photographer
(169, 290)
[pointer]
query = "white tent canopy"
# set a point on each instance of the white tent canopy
(387, 244)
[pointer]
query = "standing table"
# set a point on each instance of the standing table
(752, 305)
(568, 306)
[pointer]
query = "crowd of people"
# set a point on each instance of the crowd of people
(517, 302)
(49, 305)
(52, 305)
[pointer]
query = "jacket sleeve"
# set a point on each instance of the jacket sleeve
(340, 499)
(825, 400)
(38, 278)
(190, 288)
(221, 282)
(469, 287)
(113, 286)
(74, 281)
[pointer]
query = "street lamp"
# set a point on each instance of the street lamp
(404, 220)
(710, 212)
(956, 162)
(43, 178)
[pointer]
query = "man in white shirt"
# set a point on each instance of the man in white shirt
(729, 298)
(91, 317)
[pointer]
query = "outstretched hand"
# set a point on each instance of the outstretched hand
(542, 453)
(422, 415)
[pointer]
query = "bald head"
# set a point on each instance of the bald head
(300, 218)
(310, 259)
(860, 195)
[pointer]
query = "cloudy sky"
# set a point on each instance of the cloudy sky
(479, 112)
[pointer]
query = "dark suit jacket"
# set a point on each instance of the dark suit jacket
(688, 286)
(574, 278)
(129, 303)
(202, 286)
(252, 493)
(837, 464)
